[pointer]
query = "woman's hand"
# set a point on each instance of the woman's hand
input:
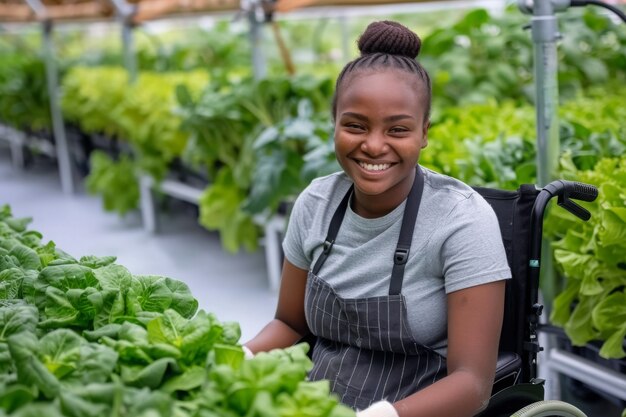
(378, 409)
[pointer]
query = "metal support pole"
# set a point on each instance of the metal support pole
(345, 35)
(58, 125)
(256, 37)
(545, 33)
(125, 12)
(148, 211)
(130, 61)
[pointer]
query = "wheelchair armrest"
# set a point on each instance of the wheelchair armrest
(508, 370)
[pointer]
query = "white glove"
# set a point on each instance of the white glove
(378, 409)
(247, 353)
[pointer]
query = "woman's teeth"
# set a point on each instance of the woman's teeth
(374, 167)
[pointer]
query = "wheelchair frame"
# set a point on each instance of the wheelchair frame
(520, 215)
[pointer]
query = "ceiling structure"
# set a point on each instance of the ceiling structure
(145, 10)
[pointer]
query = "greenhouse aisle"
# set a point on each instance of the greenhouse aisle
(234, 287)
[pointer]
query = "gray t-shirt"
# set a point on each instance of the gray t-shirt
(456, 244)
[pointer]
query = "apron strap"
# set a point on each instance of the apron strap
(401, 255)
(333, 229)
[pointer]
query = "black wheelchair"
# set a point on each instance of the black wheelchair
(517, 391)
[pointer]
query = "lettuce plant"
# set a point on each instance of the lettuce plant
(87, 338)
(592, 306)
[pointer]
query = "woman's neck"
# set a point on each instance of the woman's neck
(374, 206)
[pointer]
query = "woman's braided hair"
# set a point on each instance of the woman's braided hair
(387, 44)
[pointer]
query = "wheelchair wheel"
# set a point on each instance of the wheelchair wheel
(549, 408)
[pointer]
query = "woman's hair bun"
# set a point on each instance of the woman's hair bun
(389, 38)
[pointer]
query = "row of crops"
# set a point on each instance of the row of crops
(84, 337)
(253, 145)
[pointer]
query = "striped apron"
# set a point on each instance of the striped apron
(364, 346)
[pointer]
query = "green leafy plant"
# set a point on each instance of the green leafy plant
(492, 144)
(142, 114)
(591, 256)
(288, 156)
(115, 181)
(24, 101)
(483, 57)
(85, 338)
(224, 125)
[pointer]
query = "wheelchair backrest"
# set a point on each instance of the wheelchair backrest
(513, 209)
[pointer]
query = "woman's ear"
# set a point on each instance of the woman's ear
(425, 128)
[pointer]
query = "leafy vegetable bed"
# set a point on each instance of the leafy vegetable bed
(85, 337)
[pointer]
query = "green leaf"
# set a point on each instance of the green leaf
(613, 231)
(182, 300)
(184, 96)
(59, 311)
(152, 293)
(15, 396)
(150, 376)
(17, 319)
(231, 332)
(189, 380)
(594, 69)
(113, 277)
(68, 276)
(18, 225)
(613, 347)
(168, 329)
(116, 181)
(220, 210)
(229, 355)
(133, 333)
(113, 307)
(110, 330)
(38, 410)
(562, 307)
(194, 338)
(30, 370)
(579, 327)
(11, 283)
(26, 257)
(96, 262)
(610, 313)
(73, 406)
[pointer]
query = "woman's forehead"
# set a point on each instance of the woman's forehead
(393, 86)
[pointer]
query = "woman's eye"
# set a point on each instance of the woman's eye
(398, 129)
(354, 126)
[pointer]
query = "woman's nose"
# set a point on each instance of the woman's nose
(374, 144)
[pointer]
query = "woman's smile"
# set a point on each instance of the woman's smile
(374, 167)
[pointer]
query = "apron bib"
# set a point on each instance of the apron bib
(364, 346)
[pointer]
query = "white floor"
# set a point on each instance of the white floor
(234, 287)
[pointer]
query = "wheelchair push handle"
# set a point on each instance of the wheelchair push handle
(581, 191)
(571, 190)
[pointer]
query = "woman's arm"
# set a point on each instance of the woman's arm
(474, 323)
(289, 324)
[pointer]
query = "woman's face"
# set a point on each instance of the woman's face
(379, 133)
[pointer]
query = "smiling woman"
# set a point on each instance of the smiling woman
(405, 309)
